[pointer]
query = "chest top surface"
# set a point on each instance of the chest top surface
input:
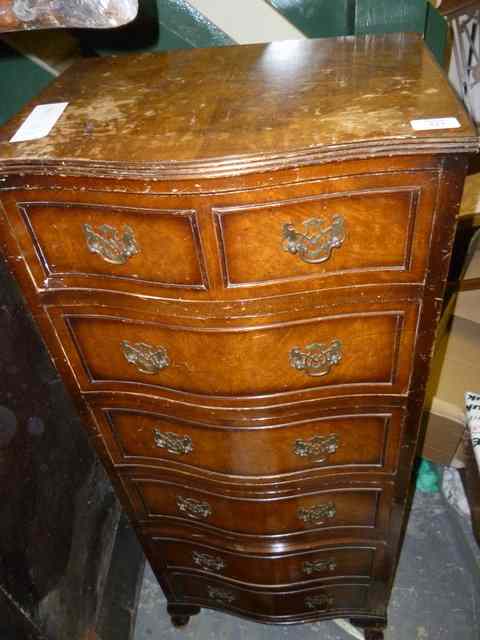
(284, 99)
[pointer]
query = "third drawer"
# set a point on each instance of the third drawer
(352, 440)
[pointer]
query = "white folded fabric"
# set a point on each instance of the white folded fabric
(472, 406)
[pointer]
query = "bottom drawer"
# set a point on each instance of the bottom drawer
(328, 601)
(272, 570)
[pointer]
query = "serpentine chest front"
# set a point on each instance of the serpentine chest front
(236, 258)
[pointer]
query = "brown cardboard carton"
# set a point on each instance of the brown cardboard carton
(467, 305)
(455, 369)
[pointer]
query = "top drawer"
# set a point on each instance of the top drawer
(91, 244)
(323, 233)
(368, 234)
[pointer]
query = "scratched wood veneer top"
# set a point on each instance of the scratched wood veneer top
(266, 100)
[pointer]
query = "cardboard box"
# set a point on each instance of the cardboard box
(467, 305)
(455, 369)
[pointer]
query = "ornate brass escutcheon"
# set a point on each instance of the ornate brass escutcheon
(317, 514)
(145, 357)
(208, 562)
(322, 601)
(318, 566)
(316, 359)
(316, 243)
(109, 244)
(220, 596)
(194, 508)
(318, 447)
(172, 442)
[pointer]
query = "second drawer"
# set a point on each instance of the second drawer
(357, 349)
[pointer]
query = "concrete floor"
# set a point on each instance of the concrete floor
(436, 594)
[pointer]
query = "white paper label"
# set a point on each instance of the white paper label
(427, 124)
(39, 122)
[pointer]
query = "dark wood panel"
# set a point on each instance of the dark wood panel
(306, 603)
(237, 413)
(109, 188)
(191, 531)
(340, 508)
(323, 564)
(350, 442)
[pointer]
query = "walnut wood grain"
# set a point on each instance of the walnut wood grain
(380, 339)
(167, 252)
(252, 245)
(270, 105)
(361, 441)
(173, 231)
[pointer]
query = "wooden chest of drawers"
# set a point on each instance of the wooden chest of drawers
(237, 258)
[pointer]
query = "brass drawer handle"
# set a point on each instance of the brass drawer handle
(317, 514)
(108, 243)
(318, 566)
(317, 242)
(145, 357)
(319, 602)
(220, 596)
(208, 562)
(194, 508)
(316, 359)
(172, 442)
(318, 447)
